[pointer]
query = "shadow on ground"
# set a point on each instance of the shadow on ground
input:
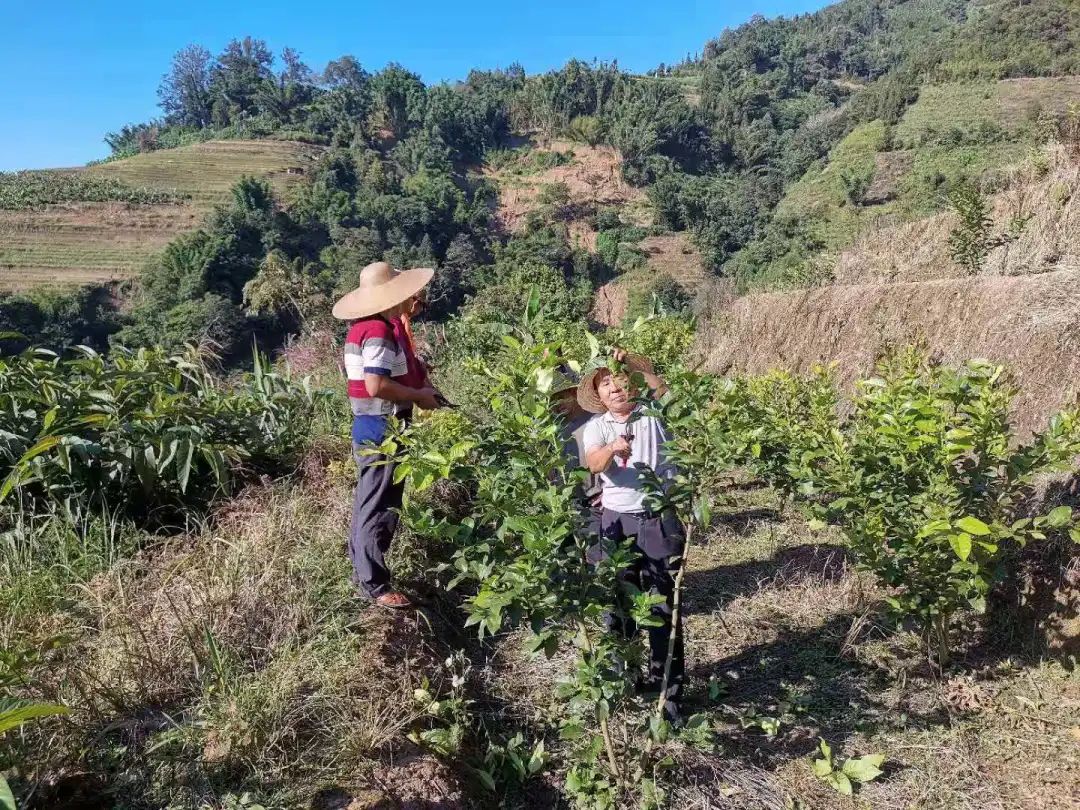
(802, 678)
(712, 588)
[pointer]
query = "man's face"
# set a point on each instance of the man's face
(566, 404)
(615, 392)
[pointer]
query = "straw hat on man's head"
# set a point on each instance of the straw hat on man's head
(381, 288)
(587, 395)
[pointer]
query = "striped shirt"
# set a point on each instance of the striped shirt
(371, 348)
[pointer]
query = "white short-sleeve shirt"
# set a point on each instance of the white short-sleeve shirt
(623, 487)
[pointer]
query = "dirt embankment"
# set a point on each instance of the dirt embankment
(593, 178)
(1029, 323)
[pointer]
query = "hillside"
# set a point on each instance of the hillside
(86, 242)
(880, 595)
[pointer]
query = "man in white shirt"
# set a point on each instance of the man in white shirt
(620, 442)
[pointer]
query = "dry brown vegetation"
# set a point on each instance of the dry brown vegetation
(245, 640)
(593, 178)
(1045, 195)
(1029, 323)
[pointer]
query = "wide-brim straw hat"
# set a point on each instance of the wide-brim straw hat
(381, 288)
(587, 395)
(564, 379)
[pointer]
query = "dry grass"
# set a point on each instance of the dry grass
(593, 177)
(206, 171)
(1029, 323)
(238, 655)
(777, 614)
(98, 242)
(1012, 104)
(1048, 199)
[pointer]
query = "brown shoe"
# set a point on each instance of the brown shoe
(393, 600)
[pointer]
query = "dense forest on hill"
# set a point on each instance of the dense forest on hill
(716, 142)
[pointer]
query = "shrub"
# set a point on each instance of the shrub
(586, 129)
(139, 431)
(663, 339)
(663, 295)
(969, 240)
(519, 557)
(930, 484)
(786, 420)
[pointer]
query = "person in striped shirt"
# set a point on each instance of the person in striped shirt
(385, 379)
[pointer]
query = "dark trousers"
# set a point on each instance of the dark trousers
(657, 540)
(374, 520)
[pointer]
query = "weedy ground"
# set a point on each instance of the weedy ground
(235, 659)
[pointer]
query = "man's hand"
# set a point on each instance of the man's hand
(425, 398)
(621, 448)
(655, 383)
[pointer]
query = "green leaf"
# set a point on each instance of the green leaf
(15, 477)
(1059, 517)
(7, 799)
(185, 452)
(961, 544)
(973, 526)
(840, 783)
(536, 761)
(815, 524)
(826, 751)
(544, 379)
(486, 779)
(532, 308)
(864, 768)
(14, 715)
(594, 345)
(822, 768)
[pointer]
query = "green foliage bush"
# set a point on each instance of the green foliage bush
(931, 486)
(519, 557)
(969, 240)
(57, 318)
(586, 129)
(662, 295)
(141, 431)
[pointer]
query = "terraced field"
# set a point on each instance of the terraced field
(79, 243)
(206, 171)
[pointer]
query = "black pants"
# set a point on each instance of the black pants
(656, 539)
(374, 520)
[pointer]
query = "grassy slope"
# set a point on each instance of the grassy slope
(91, 242)
(235, 660)
(955, 130)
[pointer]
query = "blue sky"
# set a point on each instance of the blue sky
(71, 71)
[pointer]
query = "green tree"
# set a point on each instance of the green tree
(400, 99)
(969, 240)
(931, 486)
(184, 93)
(240, 72)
